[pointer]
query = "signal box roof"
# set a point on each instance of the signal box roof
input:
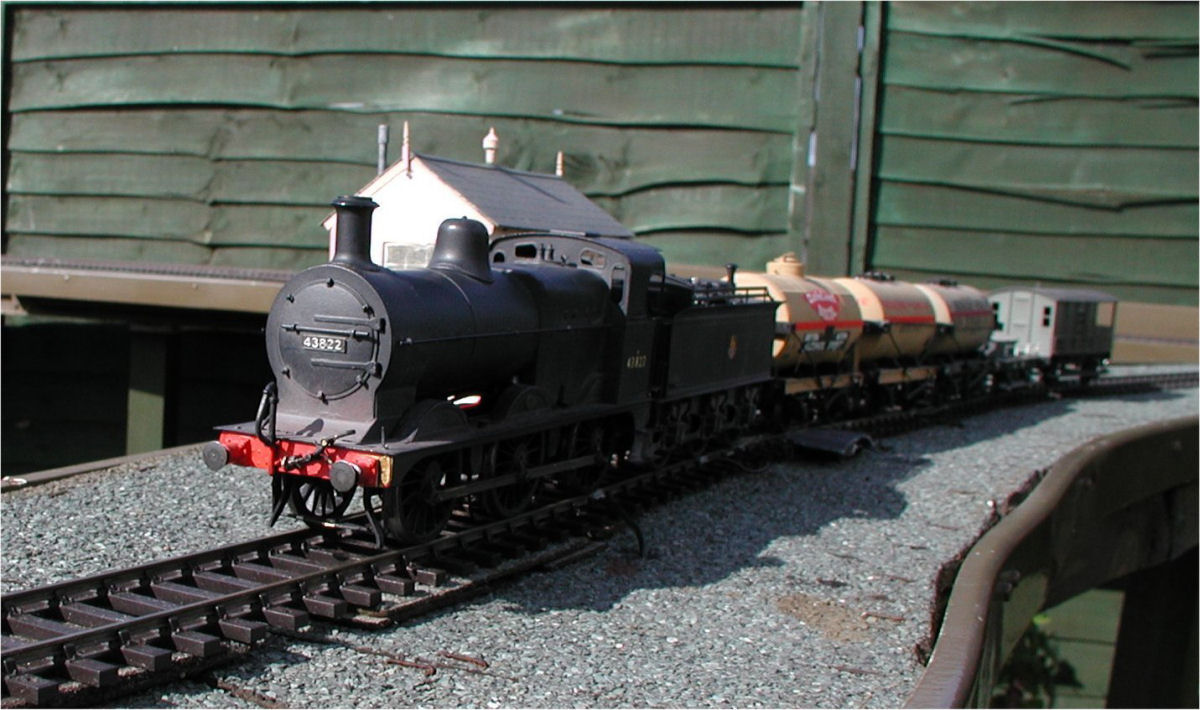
(519, 200)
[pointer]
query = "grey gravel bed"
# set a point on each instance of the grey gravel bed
(809, 584)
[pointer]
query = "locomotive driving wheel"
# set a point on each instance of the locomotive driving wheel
(515, 456)
(315, 500)
(412, 510)
(583, 439)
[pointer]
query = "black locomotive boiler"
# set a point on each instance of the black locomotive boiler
(492, 375)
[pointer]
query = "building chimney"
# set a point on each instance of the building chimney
(382, 140)
(490, 143)
(352, 241)
(406, 151)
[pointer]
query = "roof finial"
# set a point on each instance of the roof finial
(490, 143)
(406, 151)
(558, 164)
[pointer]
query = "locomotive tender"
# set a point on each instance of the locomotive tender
(542, 362)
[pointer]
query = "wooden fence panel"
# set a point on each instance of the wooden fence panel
(219, 134)
(1040, 142)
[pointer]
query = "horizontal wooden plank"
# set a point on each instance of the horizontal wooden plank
(293, 259)
(184, 177)
(745, 34)
(1151, 351)
(93, 216)
(170, 220)
(1102, 177)
(951, 63)
(161, 251)
(598, 160)
(715, 249)
(1005, 118)
(1125, 292)
(761, 98)
(912, 205)
(266, 225)
(1087, 259)
(1097, 21)
(701, 207)
(722, 207)
(1139, 321)
(106, 248)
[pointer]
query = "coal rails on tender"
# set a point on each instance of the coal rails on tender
(506, 374)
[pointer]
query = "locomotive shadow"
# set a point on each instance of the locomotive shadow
(704, 537)
(709, 535)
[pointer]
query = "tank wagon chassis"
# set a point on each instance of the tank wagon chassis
(541, 364)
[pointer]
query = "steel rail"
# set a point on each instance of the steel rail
(1118, 504)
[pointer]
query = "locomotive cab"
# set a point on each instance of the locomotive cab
(627, 269)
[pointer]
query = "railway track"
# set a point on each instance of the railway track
(82, 641)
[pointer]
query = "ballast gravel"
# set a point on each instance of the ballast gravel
(809, 584)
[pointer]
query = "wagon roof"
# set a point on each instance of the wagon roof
(1062, 294)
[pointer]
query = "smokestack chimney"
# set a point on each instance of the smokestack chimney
(352, 243)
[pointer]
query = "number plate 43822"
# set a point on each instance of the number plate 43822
(324, 344)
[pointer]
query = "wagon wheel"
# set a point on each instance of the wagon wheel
(412, 510)
(509, 457)
(583, 439)
(661, 439)
(315, 500)
(746, 405)
(675, 425)
(696, 426)
(722, 424)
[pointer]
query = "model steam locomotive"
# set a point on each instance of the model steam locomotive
(543, 362)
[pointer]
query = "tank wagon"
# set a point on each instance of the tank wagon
(540, 363)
